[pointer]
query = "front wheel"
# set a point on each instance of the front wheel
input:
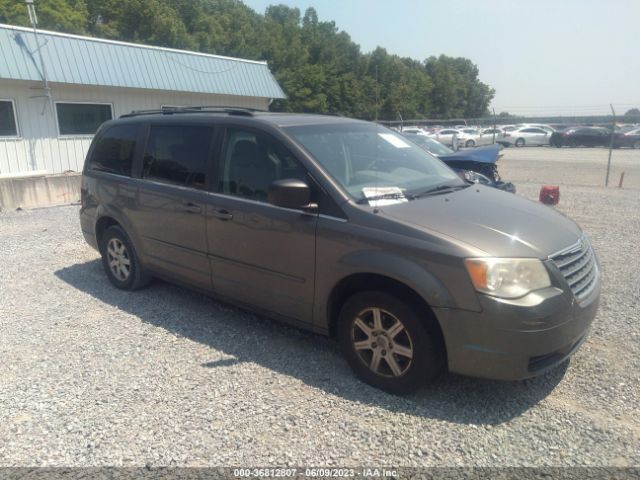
(520, 142)
(386, 343)
(470, 143)
(120, 260)
(636, 144)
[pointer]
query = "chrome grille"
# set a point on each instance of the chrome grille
(578, 265)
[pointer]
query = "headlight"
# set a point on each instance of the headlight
(507, 277)
(475, 177)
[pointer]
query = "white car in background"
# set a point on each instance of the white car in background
(545, 127)
(528, 136)
(489, 138)
(416, 130)
(446, 136)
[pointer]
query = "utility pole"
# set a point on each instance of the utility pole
(31, 9)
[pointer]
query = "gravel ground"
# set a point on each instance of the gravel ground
(571, 166)
(95, 376)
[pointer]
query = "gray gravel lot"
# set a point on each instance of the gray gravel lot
(95, 376)
(571, 166)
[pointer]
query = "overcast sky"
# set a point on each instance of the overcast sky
(541, 56)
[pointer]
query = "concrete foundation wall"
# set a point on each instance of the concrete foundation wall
(40, 191)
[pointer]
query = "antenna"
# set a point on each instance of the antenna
(33, 18)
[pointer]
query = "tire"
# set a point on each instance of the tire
(470, 143)
(406, 359)
(636, 145)
(519, 142)
(120, 260)
(572, 143)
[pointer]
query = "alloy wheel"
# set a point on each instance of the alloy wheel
(382, 342)
(118, 258)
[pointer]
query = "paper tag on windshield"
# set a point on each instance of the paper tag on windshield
(381, 196)
(393, 140)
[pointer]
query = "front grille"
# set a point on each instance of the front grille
(578, 265)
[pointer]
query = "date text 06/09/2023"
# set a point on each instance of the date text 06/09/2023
(315, 472)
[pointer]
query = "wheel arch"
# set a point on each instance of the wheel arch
(107, 217)
(102, 224)
(361, 282)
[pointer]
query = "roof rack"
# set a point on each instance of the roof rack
(243, 111)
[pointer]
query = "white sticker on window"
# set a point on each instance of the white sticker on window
(380, 196)
(393, 140)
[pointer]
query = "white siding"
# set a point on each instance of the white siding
(40, 147)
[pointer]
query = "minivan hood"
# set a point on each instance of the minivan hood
(500, 224)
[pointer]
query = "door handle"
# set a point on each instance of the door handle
(222, 214)
(191, 208)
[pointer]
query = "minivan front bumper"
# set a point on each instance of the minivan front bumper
(513, 340)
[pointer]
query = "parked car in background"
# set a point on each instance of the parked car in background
(560, 126)
(527, 136)
(446, 136)
(477, 165)
(416, 130)
(493, 135)
(453, 137)
(629, 139)
(582, 137)
(543, 126)
(344, 228)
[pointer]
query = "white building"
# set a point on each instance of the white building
(91, 80)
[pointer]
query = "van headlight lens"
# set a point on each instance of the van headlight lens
(507, 277)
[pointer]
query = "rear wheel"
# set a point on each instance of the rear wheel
(120, 260)
(520, 142)
(386, 343)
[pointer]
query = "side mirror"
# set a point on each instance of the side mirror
(289, 193)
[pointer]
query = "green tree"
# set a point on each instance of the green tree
(457, 90)
(319, 67)
(59, 15)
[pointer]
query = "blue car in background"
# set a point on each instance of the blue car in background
(477, 165)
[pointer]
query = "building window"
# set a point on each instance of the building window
(115, 149)
(82, 118)
(8, 124)
(178, 155)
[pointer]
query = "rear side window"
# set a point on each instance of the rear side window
(115, 149)
(178, 154)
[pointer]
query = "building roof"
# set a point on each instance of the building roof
(81, 60)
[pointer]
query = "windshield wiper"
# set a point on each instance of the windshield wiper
(440, 189)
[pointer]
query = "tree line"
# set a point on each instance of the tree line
(320, 68)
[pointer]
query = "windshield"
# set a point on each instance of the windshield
(430, 145)
(365, 156)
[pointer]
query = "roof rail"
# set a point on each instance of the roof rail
(167, 110)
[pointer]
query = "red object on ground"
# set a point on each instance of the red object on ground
(550, 194)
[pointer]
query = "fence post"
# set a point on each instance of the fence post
(613, 131)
